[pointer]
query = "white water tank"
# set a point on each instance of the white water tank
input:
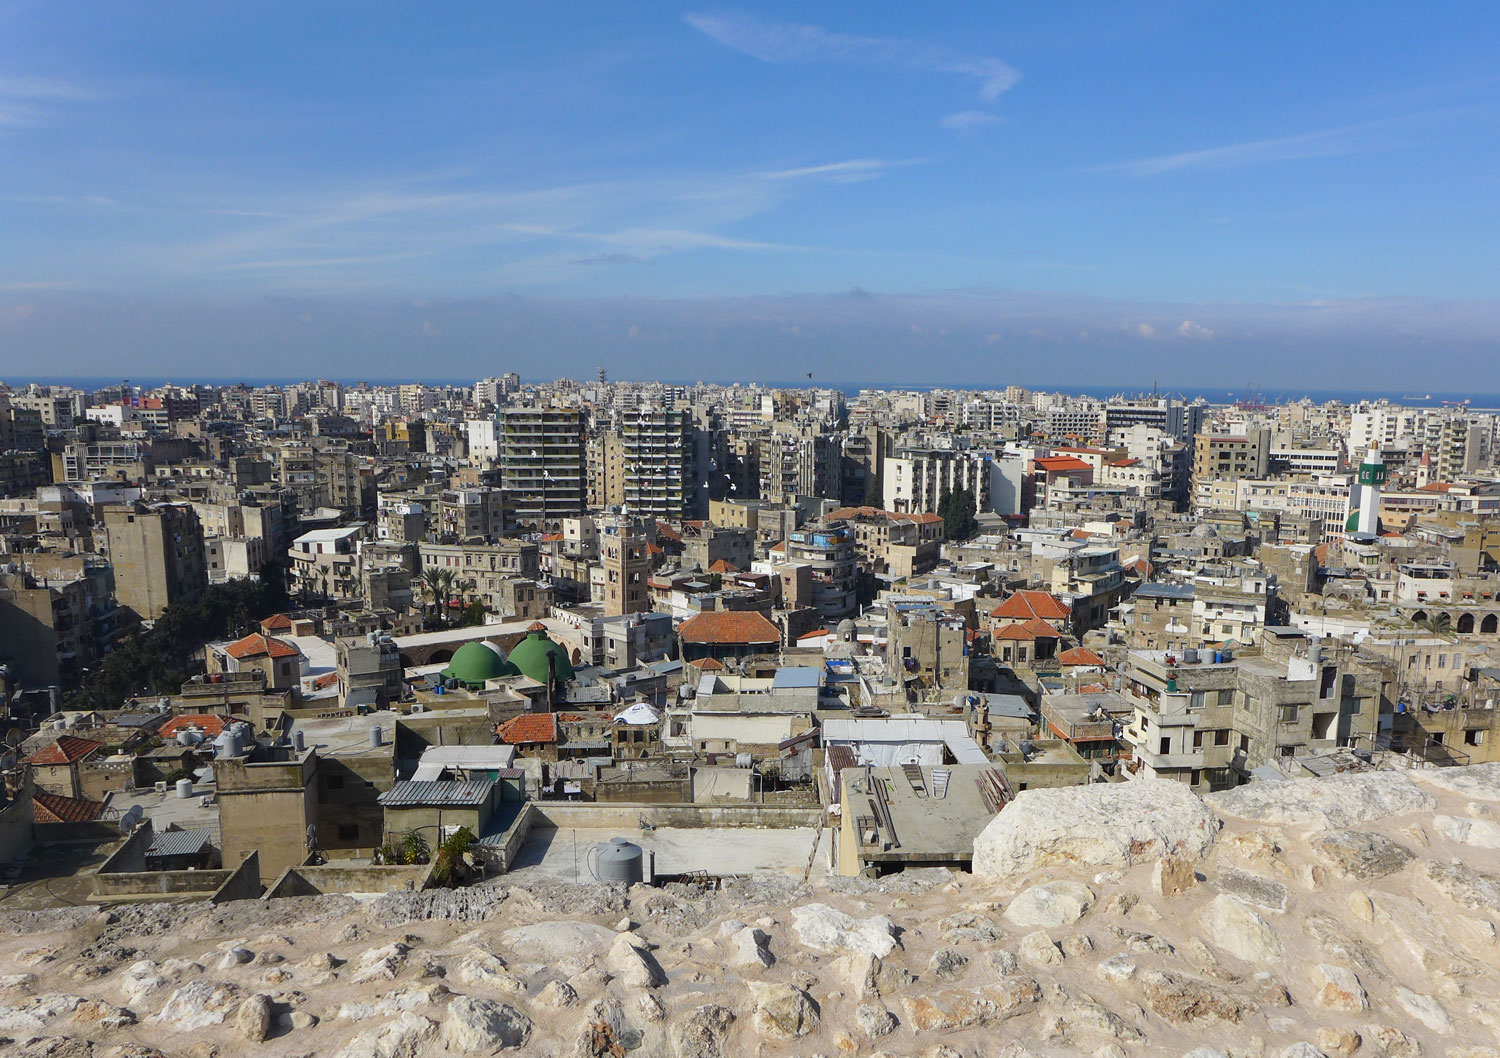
(375, 736)
(299, 742)
(184, 788)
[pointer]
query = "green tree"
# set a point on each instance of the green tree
(958, 511)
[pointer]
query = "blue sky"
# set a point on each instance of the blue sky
(998, 192)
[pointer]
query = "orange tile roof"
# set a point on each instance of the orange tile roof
(55, 808)
(723, 565)
(663, 529)
(736, 626)
(843, 514)
(814, 632)
(780, 545)
(551, 538)
(256, 645)
(209, 723)
(276, 623)
(1080, 656)
(528, 728)
(1029, 603)
(67, 750)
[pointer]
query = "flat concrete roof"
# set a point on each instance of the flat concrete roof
(349, 736)
(928, 827)
(550, 854)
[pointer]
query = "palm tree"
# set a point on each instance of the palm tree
(432, 580)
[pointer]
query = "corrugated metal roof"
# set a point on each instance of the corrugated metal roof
(180, 842)
(799, 676)
(413, 794)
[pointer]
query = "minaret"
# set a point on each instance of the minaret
(1371, 477)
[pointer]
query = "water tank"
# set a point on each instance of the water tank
(184, 788)
(299, 741)
(1228, 655)
(619, 861)
(189, 737)
(375, 736)
(1190, 656)
(743, 760)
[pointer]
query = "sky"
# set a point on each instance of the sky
(1200, 192)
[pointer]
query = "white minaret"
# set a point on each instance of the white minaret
(1371, 477)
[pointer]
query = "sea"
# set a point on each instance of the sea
(1227, 394)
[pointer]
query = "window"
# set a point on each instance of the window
(1221, 737)
(1197, 739)
(1226, 697)
(1474, 737)
(1244, 743)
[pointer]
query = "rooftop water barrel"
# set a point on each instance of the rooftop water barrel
(1190, 656)
(184, 788)
(299, 741)
(619, 861)
(375, 736)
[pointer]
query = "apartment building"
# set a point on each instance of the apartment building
(916, 479)
(158, 556)
(541, 456)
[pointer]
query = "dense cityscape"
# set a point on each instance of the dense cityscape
(606, 530)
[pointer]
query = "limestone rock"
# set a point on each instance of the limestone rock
(1100, 825)
(253, 1020)
(1480, 781)
(632, 963)
(1481, 833)
(952, 1010)
(1334, 801)
(871, 977)
(405, 1037)
(235, 956)
(947, 964)
(1238, 930)
(1117, 969)
(1393, 1041)
(783, 1011)
(475, 1024)
(1362, 853)
(196, 1005)
(1465, 885)
(557, 994)
(700, 1032)
(1050, 905)
(1003, 962)
(825, 929)
(1172, 876)
(1253, 889)
(555, 941)
(381, 964)
(1337, 1042)
(1183, 1000)
(874, 1020)
(1301, 1050)
(1425, 1009)
(386, 1004)
(1093, 1019)
(751, 948)
(1338, 989)
(1038, 948)
(488, 969)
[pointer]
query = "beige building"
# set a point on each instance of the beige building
(158, 556)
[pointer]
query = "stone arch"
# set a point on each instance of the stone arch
(406, 661)
(1490, 625)
(441, 656)
(1465, 624)
(1419, 616)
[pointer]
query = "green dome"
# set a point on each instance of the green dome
(474, 663)
(530, 656)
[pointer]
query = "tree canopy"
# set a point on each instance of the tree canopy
(958, 510)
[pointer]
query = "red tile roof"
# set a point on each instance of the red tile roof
(814, 632)
(256, 645)
(1080, 656)
(276, 623)
(723, 565)
(708, 665)
(55, 808)
(528, 728)
(843, 514)
(736, 626)
(209, 723)
(1027, 603)
(1059, 464)
(1035, 628)
(66, 750)
(665, 530)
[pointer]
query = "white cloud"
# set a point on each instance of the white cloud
(1145, 330)
(1189, 329)
(848, 172)
(1327, 143)
(965, 120)
(24, 101)
(786, 42)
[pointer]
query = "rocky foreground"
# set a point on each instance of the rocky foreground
(1354, 915)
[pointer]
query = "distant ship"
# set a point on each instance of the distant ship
(1456, 403)
(1415, 396)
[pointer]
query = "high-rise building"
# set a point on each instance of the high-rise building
(542, 464)
(158, 556)
(658, 475)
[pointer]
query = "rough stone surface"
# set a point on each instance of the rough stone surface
(196, 1005)
(1173, 875)
(1338, 988)
(253, 1020)
(1363, 854)
(1050, 904)
(874, 1020)
(1233, 926)
(1336, 801)
(474, 1024)
(1481, 781)
(1481, 833)
(783, 1011)
(825, 929)
(700, 1032)
(1254, 889)
(1102, 825)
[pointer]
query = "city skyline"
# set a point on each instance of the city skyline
(662, 187)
